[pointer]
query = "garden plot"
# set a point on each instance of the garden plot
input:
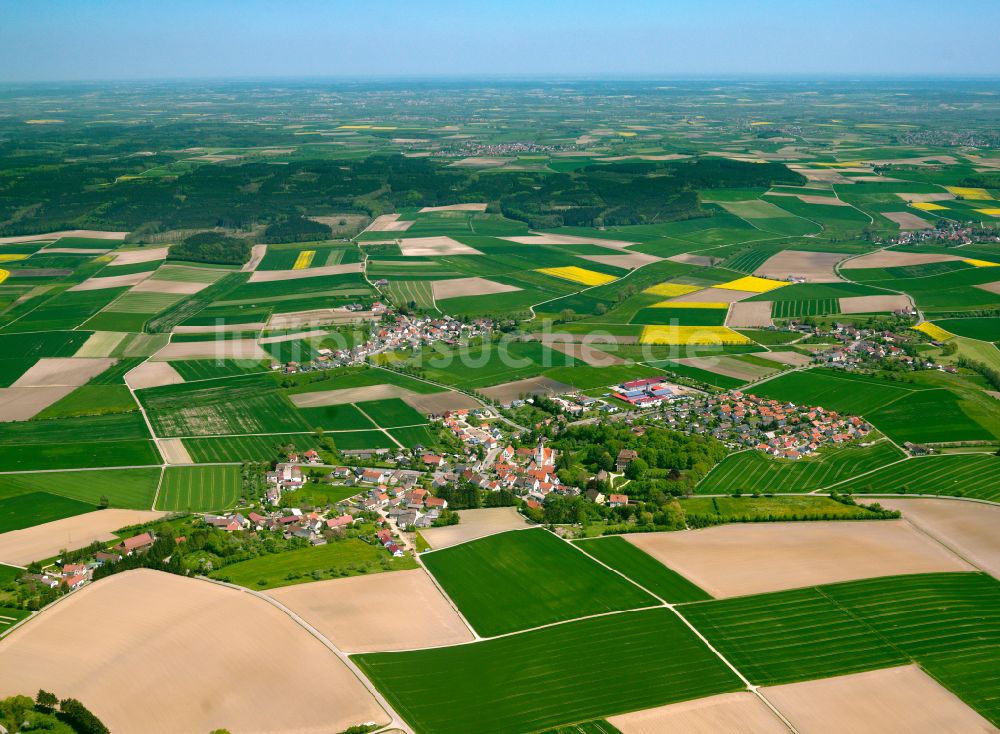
(268, 686)
(366, 393)
(873, 304)
(111, 281)
(509, 391)
(362, 613)
(21, 547)
(459, 287)
(733, 560)
(896, 259)
(749, 315)
(22, 403)
(388, 223)
(434, 247)
(732, 713)
(907, 220)
(214, 349)
(901, 699)
(970, 528)
(475, 524)
(63, 371)
(814, 267)
(152, 374)
(134, 257)
(267, 276)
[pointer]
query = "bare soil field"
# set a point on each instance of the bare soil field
(509, 391)
(316, 317)
(22, 403)
(811, 198)
(100, 344)
(267, 276)
(218, 328)
(455, 208)
(793, 358)
(970, 528)
(733, 560)
(689, 259)
(732, 713)
(728, 367)
(749, 315)
(439, 402)
(907, 220)
(59, 371)
(257, 253)
(476, 162)
(586, 353)
(630, 261)
(567, 239)
(894, 259)
(111, 281)
(133, 257)
(434, 246)
(991, 287)
(388, 223)
(871, 304)
(815, 267)
(290, 337)
(215, 349)
(713, 295)
(21, 547)
(458, 287)
(257, 670)
(402, 610)
(174, 451)
(926, 198)
(475, 524)
(179, 287)
(349, 395)
(152, 374)
(903, 699)
(90, 234)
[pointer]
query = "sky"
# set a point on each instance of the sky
(64, 40)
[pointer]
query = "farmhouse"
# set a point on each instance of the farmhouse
(136, 544)
(625, 457)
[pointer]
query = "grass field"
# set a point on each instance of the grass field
(491, 364)
(754, 471)
(391, 413)
(547, 678)
(347, 557)
(946, 622)
(799, 308)
(952, 475)
(118, 439)
(130, 489)
(643, 569)
(403, 292)
(534, 579)
(336, 417)
(10, 616)
(985, 328)
(207, 369)
(696, 373)
(269, 448)
(35, 508)
(199, 488)
(751, 509)
(598, 726)
(19, 352)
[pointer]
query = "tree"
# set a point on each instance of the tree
(46, 700)
(636, 469)
(81, 718)
(104, 502)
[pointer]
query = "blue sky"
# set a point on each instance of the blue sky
(129, 39)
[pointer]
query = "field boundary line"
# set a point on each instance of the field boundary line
(384, 430)
(396, 721)
(159, 483)
(940, 541)
(476, 637)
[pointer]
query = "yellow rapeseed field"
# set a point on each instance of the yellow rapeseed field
(690, 304)
(927, 206)
(579, 275)
(933, 331)
(3, 275)
(669, 290)
(12, 257)
(752, 283)
(989, 212)
(967, 192)
(684, 335)
(979, 263)
(304, 259)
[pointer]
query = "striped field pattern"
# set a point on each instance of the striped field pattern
(968, 475)
(199, 488)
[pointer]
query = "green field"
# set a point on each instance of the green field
(643, 569)
(346, 557)
(35, 508)
(550, 677)
(131, 489)
(755, 471)
(798, 308)
(336, 417)
(946, 622)
(390, 413)
(404, 292)
(207, 369)
(798, 507)
(491, 364)
(598, 726)
(696, 373)
(984, 328)
(953, 475)
(534, 579)
(91, 400)
(19, 352)
(199, 488)
(10, 616)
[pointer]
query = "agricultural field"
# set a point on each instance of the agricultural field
(535, 579)
(35, 508)
(199, 488)
(949, 475)
(124, 488)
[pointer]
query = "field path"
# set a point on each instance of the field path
(396, 723)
